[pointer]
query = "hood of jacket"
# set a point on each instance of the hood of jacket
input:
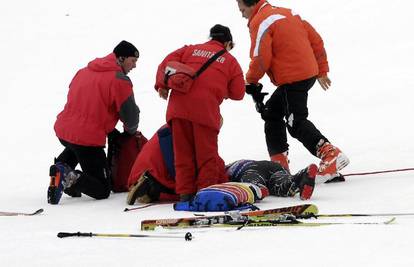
(107, 63)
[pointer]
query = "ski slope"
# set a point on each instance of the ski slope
(367, 113)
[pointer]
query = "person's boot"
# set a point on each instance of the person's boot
(70, 182)
(145, 190)
(57, 173)
(306, 181)
(337, 178)
(282, 159)
(332, 161)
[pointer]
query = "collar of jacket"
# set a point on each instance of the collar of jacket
(261, 4)
(215, 42)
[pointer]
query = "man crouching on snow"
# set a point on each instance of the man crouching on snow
(99, 96)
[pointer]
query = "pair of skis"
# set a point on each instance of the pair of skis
(287, 216)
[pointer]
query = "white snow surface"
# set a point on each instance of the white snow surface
(366, 113)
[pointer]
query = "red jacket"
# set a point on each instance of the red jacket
(150, 159)
(284, 46)
(222, 79)
(99, 95)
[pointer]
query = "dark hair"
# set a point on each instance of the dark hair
(221, 33)
(126, 49)
(250, 2)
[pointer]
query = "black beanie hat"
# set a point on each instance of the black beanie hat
(250, 2)
(221, 33)
(126, 49)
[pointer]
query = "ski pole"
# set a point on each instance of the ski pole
(378, 172)
(140, 207)
(188, 236)
(148, 205)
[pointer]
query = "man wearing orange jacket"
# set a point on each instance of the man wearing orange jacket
(194, 117)
(292, 54)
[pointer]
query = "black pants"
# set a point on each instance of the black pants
(270, 174)
(288, 108)
(94, 180)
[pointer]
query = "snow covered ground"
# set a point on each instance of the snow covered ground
(366, 113)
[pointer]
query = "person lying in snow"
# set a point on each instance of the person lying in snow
(152, 176)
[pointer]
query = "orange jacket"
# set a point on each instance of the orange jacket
(284, 46)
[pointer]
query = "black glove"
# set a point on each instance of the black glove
(114, 135)
(255, 90)
(113, 144)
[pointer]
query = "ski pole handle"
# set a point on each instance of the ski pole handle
(64, 234)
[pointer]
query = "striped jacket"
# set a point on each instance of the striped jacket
(285, 47)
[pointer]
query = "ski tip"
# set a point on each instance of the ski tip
(126, 209)
(38, 211)
(310, 209)
(390, 221)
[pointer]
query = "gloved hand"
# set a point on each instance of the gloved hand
(255, 90)
(114, 135)
(113, 143)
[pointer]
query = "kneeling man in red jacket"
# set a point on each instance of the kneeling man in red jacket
(99, 96)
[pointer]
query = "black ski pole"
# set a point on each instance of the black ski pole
(140, 207)
(148, 205)
(188, 236)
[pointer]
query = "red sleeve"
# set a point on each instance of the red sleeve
(236, 86)
(174, 56)
(318, 48)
